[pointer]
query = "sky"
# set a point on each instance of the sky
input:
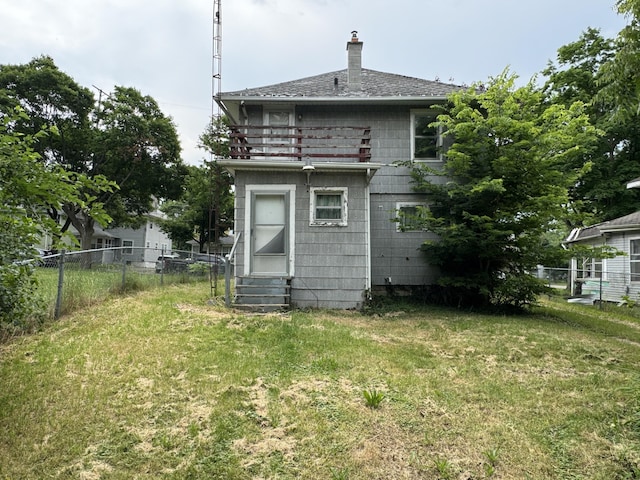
(164, 48)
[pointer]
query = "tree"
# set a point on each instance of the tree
(205, 211)
(578, 74)
(505, 185)
(26, 185)
(136, 146)
(125, 138)
(621, 76)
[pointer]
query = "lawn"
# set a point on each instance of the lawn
(166, 384)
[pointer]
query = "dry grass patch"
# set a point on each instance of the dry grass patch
(168, 385)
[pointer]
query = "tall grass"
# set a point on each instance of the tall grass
(83, 288)
(166, 384)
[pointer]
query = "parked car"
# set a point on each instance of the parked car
(170, 262)
(46, 258)
(214, 261)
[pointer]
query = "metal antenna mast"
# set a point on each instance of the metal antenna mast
(214, 183)
(216, 85)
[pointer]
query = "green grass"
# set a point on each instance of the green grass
(85, 288)
(165, 384)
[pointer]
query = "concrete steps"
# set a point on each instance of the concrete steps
(263, 294)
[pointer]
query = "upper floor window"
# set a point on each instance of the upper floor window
(426, 139)
(278, 122)
(328, 206)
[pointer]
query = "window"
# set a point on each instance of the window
(426, 140)
(409, 216)
(328, 207)
(634, 259)
(104, 243)
(127, 247)
(593, 268)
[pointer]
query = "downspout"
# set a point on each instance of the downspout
(368, 236)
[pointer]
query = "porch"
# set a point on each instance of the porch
(300, 143)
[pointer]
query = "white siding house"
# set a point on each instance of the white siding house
(608, 279)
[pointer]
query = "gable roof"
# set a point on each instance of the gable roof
(333, 86)
(621, 224)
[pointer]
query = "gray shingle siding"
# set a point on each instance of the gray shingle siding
(334, 264)
(333, 260)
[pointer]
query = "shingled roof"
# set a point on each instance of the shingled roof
(375, 84)
(625, 223)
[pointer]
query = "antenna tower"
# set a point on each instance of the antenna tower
(216, 84)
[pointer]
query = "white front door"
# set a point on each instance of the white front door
(269, 252)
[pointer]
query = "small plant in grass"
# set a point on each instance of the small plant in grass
(491, 455)
(628, 301)
(339, 474)
(445, 469)
(373, 397)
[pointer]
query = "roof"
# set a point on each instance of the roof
(621, 224)
(333, 85)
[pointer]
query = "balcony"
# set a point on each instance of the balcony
(300, 143)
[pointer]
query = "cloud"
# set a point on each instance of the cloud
(164, 47)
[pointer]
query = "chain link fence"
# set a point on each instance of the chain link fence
(589, 287)
(76, 279)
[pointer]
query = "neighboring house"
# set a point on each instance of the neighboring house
(142, 245)
(318, 188)
(610, 279)
(222, 247)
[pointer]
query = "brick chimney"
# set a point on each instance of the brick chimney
(354, 62)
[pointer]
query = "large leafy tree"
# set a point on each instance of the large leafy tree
(137, 147)
(125, 137)
(579, 74)
(504, 186)
(26, 185)
(622, 75)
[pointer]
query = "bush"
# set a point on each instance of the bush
(518, 291)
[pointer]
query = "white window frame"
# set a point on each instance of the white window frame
(344, 211)
(269, 128)
(633, 277)
(250, 189)
(589, 268)
(439, 141)
(399, 206)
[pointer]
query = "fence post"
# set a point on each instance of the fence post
(162, 267)
(56, 313)
(227, 281)
(124, 273)
(601, 275)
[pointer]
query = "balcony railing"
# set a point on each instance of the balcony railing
(298, 143)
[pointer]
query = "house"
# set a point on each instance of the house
(319, 188)
(136, 246)
(608, 279)
(142, 245)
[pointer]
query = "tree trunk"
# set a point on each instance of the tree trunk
(85, 225)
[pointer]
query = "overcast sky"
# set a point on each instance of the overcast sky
(164, 48)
